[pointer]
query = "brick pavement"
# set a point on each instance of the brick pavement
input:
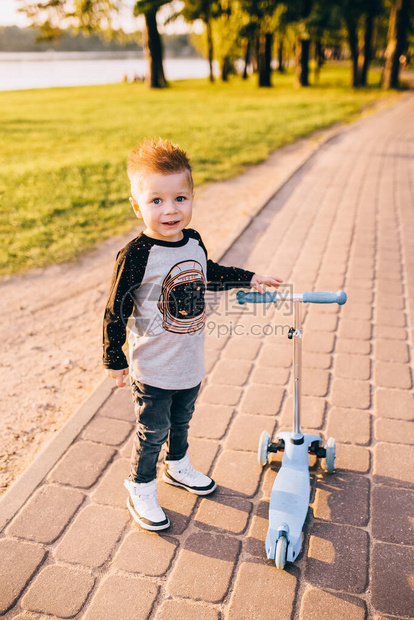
(73, 551)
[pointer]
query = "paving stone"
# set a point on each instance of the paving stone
(352, 458)
(210, 359)
(350, 393)
(395, 302)
(79, 546)
(352, 366)
(18, 562)
(119, 405)
(357, 330)
(255, 541)
(246, 430)
(316, 360)
(237, 473)
(386, 316)
(388, 332)
(275, 356)
(82, 464)
(126, 449)
(321, 605)
(202, 453)
(107, 430)
(321, 321)
(215, 341)
(231, 372)
(312, 412)
(220, 395)
(262, 399)
(355, 347)
(392, 375)
(145, 552)
(46, 514)
(272, 590)
(396, 431)
(224, 512)
(270, 376)
(392, 590)
(185, 610)
(128, 598)
(204, 555)
(59, 591)
(362, 312)
(210, 421)
(242, 348)
(394, 463)
(110, 489)
(178, 505)
(342, 498)
(361, 295)
(394, 404)
(319, 342)
(391, 351)
(315, 382)
(337, 557)
(349, 425)
(399, 504)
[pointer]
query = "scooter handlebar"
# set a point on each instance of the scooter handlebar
(325, 297)
(317, 297)
(256, 298)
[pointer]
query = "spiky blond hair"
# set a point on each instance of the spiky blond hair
(156, 156)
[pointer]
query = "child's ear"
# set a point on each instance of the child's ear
(135, 206)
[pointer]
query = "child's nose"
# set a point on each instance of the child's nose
(170, 206)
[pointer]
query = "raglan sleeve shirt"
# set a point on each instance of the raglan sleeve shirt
(149, 277)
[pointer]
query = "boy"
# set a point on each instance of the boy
(161, 277)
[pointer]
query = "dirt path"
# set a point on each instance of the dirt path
(52, 317)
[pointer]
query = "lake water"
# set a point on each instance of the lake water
(46, 69)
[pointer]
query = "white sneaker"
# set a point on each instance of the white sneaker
(143, 505)
(182, 474)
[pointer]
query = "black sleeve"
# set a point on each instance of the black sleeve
(221, 278)
(127, 276)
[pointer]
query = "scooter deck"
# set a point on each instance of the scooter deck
(289, 500)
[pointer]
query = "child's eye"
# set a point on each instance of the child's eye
(157, 201)
(180, 198)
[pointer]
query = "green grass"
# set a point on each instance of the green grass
(63, 186)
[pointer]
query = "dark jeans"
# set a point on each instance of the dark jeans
(161, 415)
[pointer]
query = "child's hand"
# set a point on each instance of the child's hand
(257, 281)
(118, 375)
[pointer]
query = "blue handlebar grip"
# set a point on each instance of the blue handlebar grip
(325, 297)
(256, 298)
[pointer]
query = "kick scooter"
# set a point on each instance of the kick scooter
(290, 495)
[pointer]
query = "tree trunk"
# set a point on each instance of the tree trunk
(353, 46)
(264, 59)
(210, 49)
(246, 59)
(225, 68)
(280, 65)
(367, 55)
(302, 62)
(318, 58)
(153, 51)
(397, 41)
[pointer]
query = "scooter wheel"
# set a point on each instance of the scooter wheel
(281, 551)
(330, 455)
(263, 450)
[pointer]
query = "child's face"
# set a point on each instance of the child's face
(165, 203)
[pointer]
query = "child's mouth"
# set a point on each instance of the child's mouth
(170, 224)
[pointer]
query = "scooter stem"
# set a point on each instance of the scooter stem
(297, 364)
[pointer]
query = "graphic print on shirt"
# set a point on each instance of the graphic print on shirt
(181, 302)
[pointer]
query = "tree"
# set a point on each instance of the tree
(206, 10)
(261, 14)
(397, 42)
(152, 41)
(53, 16)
